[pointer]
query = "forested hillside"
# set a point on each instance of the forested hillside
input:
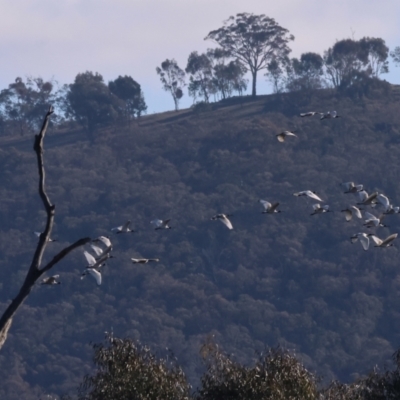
(285, 278)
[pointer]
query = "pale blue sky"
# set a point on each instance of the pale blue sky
(60, 38)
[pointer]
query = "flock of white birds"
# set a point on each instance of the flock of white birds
(102, 245)
(374, 200)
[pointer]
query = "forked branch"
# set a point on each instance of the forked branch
(35, 271)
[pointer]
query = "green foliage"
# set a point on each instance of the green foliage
(276, 375)
(90, 102)
(125, 369)
(306, 73)
(23, 104)
(130, 92)
(287, 278)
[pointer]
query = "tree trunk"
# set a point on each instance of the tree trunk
(254, 76)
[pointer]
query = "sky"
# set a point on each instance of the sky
(57, 39)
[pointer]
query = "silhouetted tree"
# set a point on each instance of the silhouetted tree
(306, 73)
(173, 79)
(395, 54)
(254, 39)
(90, 102)
(36, 270)
(199, 67)
(128, 370)
(275, 74)
(344, 58)
(23, 103)
(130, 92)
(378, 54)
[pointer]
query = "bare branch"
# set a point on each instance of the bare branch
(34, 272)
(57, 258)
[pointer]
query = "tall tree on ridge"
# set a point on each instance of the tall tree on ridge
(90, 102)
(130, 92)
(173, 79)
(255, 40)
(200, 68)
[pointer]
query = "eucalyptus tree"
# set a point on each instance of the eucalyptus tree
(255, 40)
(343, 59)
(130, 92)
(89, 101)
(125, 369)
(275, 74)
(199, 66)
(305, 73)
(277, 375)
(348, 58)
(395, 54)
(378, 54)
(24, 102)
(173, 79)
(36, 269)
(229, 78)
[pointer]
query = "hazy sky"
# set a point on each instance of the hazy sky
(60, 38)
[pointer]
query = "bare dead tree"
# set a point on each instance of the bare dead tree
(36, 270)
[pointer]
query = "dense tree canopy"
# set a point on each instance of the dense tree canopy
(24, 103)
(287, 278)
(306, 73)
(130, 92)
(90, 102)
(349, 57)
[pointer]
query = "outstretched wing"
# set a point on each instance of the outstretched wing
(226, 222)
(89, 258)
(96, 275)
(364, 240)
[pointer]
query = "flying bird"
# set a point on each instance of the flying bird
(269, 208)
(308, 193)
(51, 280)
(144, 260)
(329, 115)
(123, 228)
(161, 224)
(309, 114)
(367, 199)
(392, 210)
(94, 273)
(350, 187)
(373, 222)
(363, 238)
(318, 209)
(383, 200)
(282, 136)
(93, 262)
(350, 211)
(384, 243)
(224, 219)
(105, 240)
